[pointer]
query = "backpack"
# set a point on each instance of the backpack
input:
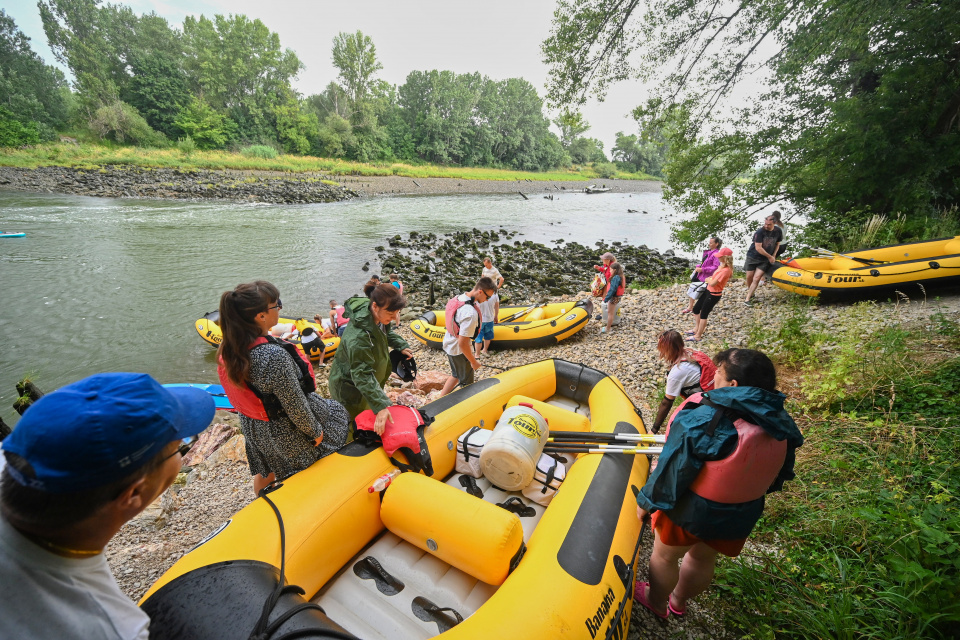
(450, 313)
(707, 371)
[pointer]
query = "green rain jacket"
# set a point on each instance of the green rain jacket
(362, 364)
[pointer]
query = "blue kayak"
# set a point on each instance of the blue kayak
(11, 234)
(219, 395)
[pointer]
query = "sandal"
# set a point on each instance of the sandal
(686, 311)
(640, 595)
(672, 609)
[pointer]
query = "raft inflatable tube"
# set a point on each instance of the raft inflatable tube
(909, 268)
(527, 326)
(209, 329)
(399, 564)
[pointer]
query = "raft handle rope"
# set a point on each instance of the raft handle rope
(264, 629)
(631, 575)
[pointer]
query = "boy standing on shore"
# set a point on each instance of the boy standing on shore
(490, 271)
(489, 312)
(462, 327)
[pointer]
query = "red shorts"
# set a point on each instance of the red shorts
(676, 536)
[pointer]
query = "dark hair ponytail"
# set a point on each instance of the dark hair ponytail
(238, 310)
(387, 296)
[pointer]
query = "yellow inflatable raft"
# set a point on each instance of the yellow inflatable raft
(431, 556)
(901, 267)
(528, 326)
(208, 328)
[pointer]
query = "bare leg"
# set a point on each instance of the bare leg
(664, 572)
(477, 347)
(696, 574)
(449, 385)
(696, 324)
(486, 346)
(689, 308)
(701, 327)
(259, 482)
(611, 312)
(753, 279)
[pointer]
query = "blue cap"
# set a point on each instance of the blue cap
(102, 429)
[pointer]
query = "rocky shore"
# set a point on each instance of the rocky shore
(145, 182)
(219, 485)
(269, 186)
(532, 272)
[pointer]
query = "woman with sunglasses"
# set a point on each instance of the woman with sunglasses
(362, 363)
(287, 426)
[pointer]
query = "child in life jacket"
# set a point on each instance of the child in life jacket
(711, 296)
(462, 323)
(690, 372)
(725, 450)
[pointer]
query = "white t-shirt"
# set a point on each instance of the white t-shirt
(468, 320)
(683, 374)
(493, 273)
(488, 308)
(49, 596)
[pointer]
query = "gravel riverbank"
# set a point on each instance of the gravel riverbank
(271, 186)
(148, 546)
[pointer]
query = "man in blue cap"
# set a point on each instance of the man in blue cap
(82, 462)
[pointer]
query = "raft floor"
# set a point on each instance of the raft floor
(369, 604)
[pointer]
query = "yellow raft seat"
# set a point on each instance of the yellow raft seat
(529, 326)
(208, 328)
(440, 555)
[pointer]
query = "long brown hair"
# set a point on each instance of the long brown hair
(238, 310)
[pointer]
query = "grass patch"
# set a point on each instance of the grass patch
(187, 157)
(865, 543)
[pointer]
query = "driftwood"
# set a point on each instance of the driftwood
(29, 393)
(416, 183)
(524, 197)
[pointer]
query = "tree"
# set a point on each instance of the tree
(239, 68)
(572, 125)
(121, 122)
(859, 112)
(158, 90)
(586, 150)
(439, 107)
(33, 93)
(208, 128)
(355, 56)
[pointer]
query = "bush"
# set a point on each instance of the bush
(605, 169)
(259, 151)
(14, 133)
(186, 145)
(121, 122)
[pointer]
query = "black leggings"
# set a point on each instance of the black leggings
(705, 304)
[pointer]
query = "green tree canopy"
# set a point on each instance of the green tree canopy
(572, 125)
(355, 56)
(238, 66)
(158, 90)
(859, 113)
(30, 90)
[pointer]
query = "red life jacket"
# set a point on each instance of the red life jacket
(339, 317)
(255, 404)
(747, 473)
(620, 287)
(707, 372)
(402, 432)
(453, 305)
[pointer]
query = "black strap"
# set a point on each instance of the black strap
(466, 440)
(718, 413)
(517, 506)
(549, 478)
(470, 484)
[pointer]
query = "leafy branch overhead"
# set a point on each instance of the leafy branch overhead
(838, 110)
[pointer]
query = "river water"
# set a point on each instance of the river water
(103, 284)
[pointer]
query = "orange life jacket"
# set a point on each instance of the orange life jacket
(255, 404)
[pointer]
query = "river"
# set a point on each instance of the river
(104, 284)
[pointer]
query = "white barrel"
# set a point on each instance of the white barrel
(509, 458)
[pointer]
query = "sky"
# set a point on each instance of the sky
(498, 38)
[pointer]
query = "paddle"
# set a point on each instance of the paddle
(843, 255)
(578, 436)
(519, 314)
(627, 451)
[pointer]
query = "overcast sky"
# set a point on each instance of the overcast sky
(498, 38)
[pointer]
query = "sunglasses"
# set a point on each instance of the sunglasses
(184, 447)
(277, 306)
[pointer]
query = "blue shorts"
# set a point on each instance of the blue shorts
(486, 332)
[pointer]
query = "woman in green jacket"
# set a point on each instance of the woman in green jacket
(362, 363)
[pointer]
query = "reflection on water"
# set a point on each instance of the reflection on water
(104, 284)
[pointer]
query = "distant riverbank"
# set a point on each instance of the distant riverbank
(274, 187)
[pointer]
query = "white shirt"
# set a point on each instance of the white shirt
(493, 273)
(683, 374)
(468, 320)
(49, 596)
(488, 308)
